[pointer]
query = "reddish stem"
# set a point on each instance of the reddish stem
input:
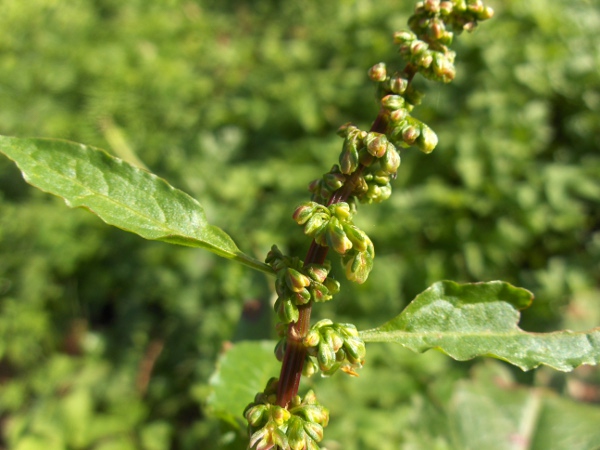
(295, 352)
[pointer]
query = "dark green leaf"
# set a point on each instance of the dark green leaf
(242, 372)
(121, 194)
(481, 319)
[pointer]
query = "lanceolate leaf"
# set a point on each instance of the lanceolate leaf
(120, 194)
(481, 319)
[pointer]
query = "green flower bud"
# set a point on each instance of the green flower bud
(314, 431)
(310, 367)
(336, 237)
(391, 160)
(487, 13)
(279, 415)
(427, 139)
(358, 237)
(302, 297)
(365, 158)
(418, 47)
(325, 357)
(286, 310)
(303, 212)
(317, 223)
(349, 161)
(397, 84)
(410, 133)
(358, 265)
(345, 129)
(319, 293)
(318, 272)
(445, 8)
(295, 280)
(424, 60)
(401, 37)
(312, 339)
(296, 434)
(355, 350)
(257, 415)
(341, 211)
(376, 144)
(334, 181)
(333, 286)
(443, 66)
(392, 102)
(432, 6)
(398, 116)
(333, 339)
(378, 72)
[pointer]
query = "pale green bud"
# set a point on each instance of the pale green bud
(336, 237)
(302, 297)
(391, 160)
(314, 430)
(397, 84)
(316, 223)
(358, 237)
(310, 367)
(427, 139)
(334, 181)
(257, 415)
(341, 211)
(401, 37)
(295, 280)
(392, 102)
(312, 339)
(376, 144)
(378, 72)
(296, 434)
(332, 285)
(303, 212)
(410, 133)
(318, 272)
(325, 357)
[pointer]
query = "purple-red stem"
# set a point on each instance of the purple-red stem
(295, 352)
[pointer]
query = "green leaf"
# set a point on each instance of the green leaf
(492, 412)
(120, 194)
(242, 372)
(480, 319)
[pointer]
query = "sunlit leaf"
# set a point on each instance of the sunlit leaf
(481, 319)
(121, 194)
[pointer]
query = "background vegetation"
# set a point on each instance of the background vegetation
(108, 341)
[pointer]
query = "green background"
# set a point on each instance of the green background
(108, 341)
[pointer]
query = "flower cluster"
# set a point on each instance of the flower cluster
(331, 226)
(332, 346)
(297, 284)
(299, 427)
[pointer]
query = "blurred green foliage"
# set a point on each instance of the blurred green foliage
(108, 341)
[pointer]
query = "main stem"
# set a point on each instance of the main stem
(295, 352)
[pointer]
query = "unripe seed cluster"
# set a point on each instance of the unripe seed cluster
(299, 427)
(331, 226)
(297, 284)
